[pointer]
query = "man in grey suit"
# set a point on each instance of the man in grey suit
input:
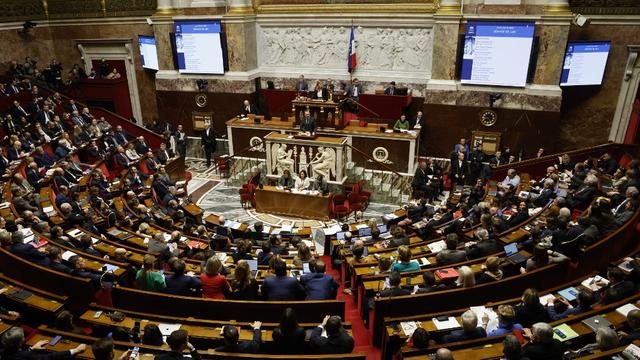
(451, 254)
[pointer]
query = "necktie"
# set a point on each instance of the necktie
(22, 110)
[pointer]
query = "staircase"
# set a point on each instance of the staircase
(385, 186)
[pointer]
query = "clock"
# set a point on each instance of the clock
(488, 117)
(201, 100)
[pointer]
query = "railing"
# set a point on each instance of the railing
(19, 10)
(237, 167)
(396, 181)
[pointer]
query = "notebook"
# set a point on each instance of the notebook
(21, 295)
(564, 332)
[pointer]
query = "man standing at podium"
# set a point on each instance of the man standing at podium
(353, 92)
(308, 123)
(302, 85)
(391, 90)
(209, 142)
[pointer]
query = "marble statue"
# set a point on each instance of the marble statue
(384, 49)
(324, 163)
(282, 158)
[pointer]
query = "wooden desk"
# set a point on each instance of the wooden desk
(273, 201)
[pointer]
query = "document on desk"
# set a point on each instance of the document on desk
(544, 300)
(481, 311)
(75, 233)
(286, 228)
(361, 226)
(595, 283)
(335, 228)
(437, 246)
(625, 309)
(450, 323)
(409, 327)
(67, 255)
(167, 329)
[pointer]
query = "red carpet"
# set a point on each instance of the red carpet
(361, 335)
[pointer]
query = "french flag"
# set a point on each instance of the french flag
(352, 62)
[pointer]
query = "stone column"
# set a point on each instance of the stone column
(162, 26)
(208, 3)
(240, 26)
(445, 43)
(165, 6)
(553, 33)
(557, 7)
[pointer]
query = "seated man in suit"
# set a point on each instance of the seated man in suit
(26, 251)
(470, 329)
(120, 158)
(338, 341)
(13, 342)
(164, 155)
(248, 108)
(308, 123)
(141, 146)
(33, 175)
(451, 254)
(319, 286)
(178, 341)
(281, 286)
(484, 247)
(151, 162)
(232, 345)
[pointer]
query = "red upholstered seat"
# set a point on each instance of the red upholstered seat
(247, 194)
(142, 165)
(340, 206)
(354, 204)
(363, 196)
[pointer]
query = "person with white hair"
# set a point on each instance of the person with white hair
(470, 329)
(466, 277)
(542, 344)
(14, 349)
(484, 247)
(512, 178)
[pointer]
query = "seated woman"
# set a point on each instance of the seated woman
(151, 335)
(302, 182)
(148, 278)
(131, 153)
(243, 286)
(530, 311)
(466, 278)
(214, 285)
(286, 181)
(304, 255)
(542, 257)
(506, 324)
(289, 337)
(402, 123)
(405, 264)
(491, 271)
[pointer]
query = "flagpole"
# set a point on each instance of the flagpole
(350, 32)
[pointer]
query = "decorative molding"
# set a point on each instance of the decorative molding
(20, 10)
(605, 7)
(627, 95)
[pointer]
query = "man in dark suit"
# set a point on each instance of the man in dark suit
(281, 286)
(308, 123)
(209, 142)
(319, 286)
(542, 344)
(10, 126)
(232, 345)
(45, 115)
(338, 341)
(33, 175)
(163, 154)
(14, 88)
(18, 111)
(301, 84)
(484, 247)
(72, 106)
(451, 254)
(120, 136)
(248, 108)
(470, 329)
(354, 90)
(497, 159)
(26, 251)
(619, 287)
(34, 106)
(120, 158)
(391, 90)
(179, 342)
(459, 169)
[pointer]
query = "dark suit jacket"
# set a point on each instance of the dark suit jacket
(350, 90)
(458, 170)
(450, 256)
(182, 285)
(177, 356)
(121, 160)
(538, 351)
(319, 286)
(482, 248)
(17, 113)
(35, 355)
(30, 253)
(341, 344)
(325, 94)
(40, 117)
(461, 335)
(209, 140)
(33, 177)
(251, 347)
(308, 125)
(390, 91)
(164, 157)
(282, 288)
(289, 343)
(252, 110)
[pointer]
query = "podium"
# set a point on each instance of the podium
(327, 113)
(323, 155)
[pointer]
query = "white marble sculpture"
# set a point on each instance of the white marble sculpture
(324, 163)
(282, 158)
(384, 49)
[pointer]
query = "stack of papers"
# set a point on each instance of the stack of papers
(631, 352)
(286, 228)
(389, 216)
(437, 246)
(423, 261)
(75, 233)
(67, 255)
(450, 323)
(595, 283)
(222, 256)
(409, 327)
(544, 300)
(625, 309)
(481, 311)
(335, 228)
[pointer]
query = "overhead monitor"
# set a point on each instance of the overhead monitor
(584, 63)
(148, 52)
(199, 47)
(497, 53)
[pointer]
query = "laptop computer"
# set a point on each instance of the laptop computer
(253, 266)
(340, 235)
(596, 322)
(512, 254)
(364, 232)
(383, 228)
